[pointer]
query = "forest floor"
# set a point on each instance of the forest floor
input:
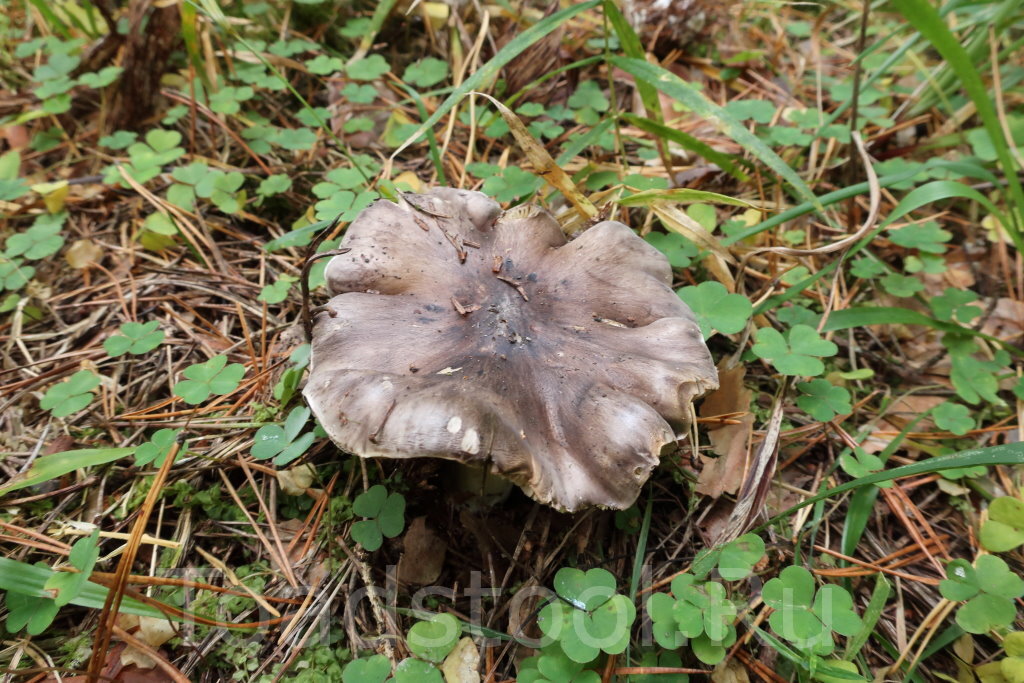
(836, 188)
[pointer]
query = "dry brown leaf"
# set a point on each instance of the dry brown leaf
(423, 558)
(152, 631)
(730, 442)
(83, 254)
(1006, 320)
(730, 671)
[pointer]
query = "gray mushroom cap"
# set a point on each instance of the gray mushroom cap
(457, 331)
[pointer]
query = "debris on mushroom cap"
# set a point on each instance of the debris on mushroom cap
(457, 331)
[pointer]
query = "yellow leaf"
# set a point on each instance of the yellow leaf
(410, 180)
(83, 253)
(543, 164)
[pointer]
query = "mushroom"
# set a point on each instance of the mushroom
(459, 331)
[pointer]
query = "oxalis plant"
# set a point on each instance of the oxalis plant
(148, 287)
(587, 619)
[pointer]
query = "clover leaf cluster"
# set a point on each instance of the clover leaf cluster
(588, 617)
(807, 616)
(698, 611)
(988, 590)
(384, 513)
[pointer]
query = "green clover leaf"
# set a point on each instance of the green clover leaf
(426, 72)
(661, 608)
(416, 671)
(341, 179)
(359, 93)
(368, 68)
(585, 590)
(1004, 529)
(961, 582)
(710, 651)
(156, 449)
(118, 139)
(289, 382)
(797, 353)
(588, 102)
(228, 99)
(511, 184)
(385, 513)
(283, 443)
(135, 338)
(974, 379)
(860, 463)
(277, 291)
(759, 111)
(738, 557)
(954, 304)
(546, 129)
(35, 612)
(274, 184)
(583, 635)
(867, 268)
(590, 618)
(927, 237)
(679, 251)
(161, 224)
(953, 417)
(71, 395)
(367, 670)
(101, 78)
(41, 240)
(14, 274)
(797, 315)
(67, 585)
(322, 65)
(358, 124)
(822, 400)
(902, 285)
(432, 640)
(215, 376)
(552, 665)
(293, 139)
(805, 618)
(344, 205)
(989, 589)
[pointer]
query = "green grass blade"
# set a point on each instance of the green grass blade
(808, 207)
(862, 502)
(54, 22)
(924, 17)
(682, 194)
(380, 13)
(52, 466)
(490, 70)
(876, 605)
(435, 152)
(925, 194)
(937, 191)
(688, 142)
(28, 579)
(863, 316)
(676, 88)
(1007, 454)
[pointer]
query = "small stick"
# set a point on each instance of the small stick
(464, 310)
(518, 286)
